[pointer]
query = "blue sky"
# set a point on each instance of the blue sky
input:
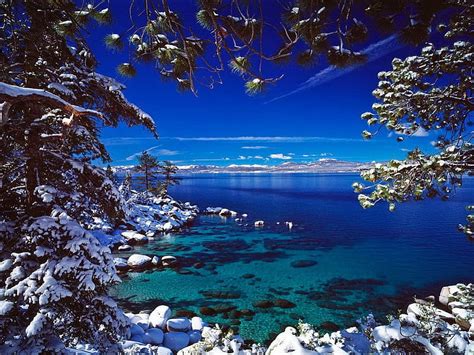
(310, 114)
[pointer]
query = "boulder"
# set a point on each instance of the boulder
(138, 261)
(303, 263)
(167, 227)
(176, 341)
(197, 323)
(259, 223)
(194, 336)
(446, 294)
(168, 260)
(417, 310)
(120, 264)
(212, 210)
(163, 351)
(225, 213)
(178, 324)
(155, 335)
(156, 260)
(464, 317)
(160, 316)
(135, 237)
(135, 329)
(125, 247)
(141, 319)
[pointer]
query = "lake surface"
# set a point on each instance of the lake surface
(355, 261)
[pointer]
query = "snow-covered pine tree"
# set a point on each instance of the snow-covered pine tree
(54, 274)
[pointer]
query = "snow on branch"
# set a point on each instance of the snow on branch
(14, 94)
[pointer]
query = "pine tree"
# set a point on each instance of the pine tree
(109, 172)
(149, 166)
(428, 92)
(169, 170)
(54, 274)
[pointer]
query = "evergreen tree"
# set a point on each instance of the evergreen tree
(148, 166)
(54, 274)
(168, 170)
(428, 92)
(236, 34)
(109, 172)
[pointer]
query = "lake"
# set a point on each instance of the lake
(337, 264)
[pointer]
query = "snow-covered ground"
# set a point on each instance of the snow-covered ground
(147, 215)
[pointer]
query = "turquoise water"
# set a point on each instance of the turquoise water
(354, 261)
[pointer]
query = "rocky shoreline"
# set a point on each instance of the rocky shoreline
(433, 325)
(436, 326)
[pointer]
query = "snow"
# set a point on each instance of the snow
(138, 261)
(160, 316)
(5, 307)
(18, 91)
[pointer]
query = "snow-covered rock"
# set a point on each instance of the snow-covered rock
(212, 210)
(135, 237)
(125, 247)
(160, 316)
(197, 323)
(176, 340)
(138, 261)
(120, 264)
(259, 223)
(178, 324)
(168, 260)
(418, 309)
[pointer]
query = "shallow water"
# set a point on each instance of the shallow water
(364, 260)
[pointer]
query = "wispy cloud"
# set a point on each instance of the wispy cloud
(276, 139)
(254, 147)
(373, 52)
(158, 153)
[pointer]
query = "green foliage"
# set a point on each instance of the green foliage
(113, 41)
(429, 92)
(254, 86)
(239, 65)
(127, 70)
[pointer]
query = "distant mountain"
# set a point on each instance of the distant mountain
(320, 166)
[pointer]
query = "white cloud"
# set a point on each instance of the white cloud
(254, 147)
(280, 156)
(273, 139)
(373, 52)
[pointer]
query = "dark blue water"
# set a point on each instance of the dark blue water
(364, 260)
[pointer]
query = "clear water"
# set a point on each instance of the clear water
(366, 260)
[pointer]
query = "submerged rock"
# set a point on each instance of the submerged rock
(282, 303)
(303, 263)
